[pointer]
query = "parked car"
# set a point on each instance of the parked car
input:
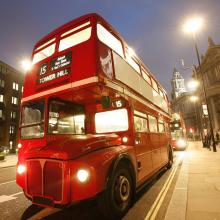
(3, 152)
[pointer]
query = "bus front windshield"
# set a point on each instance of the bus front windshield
(32, 120)
(66, 118)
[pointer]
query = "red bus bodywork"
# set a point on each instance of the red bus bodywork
(88, 77)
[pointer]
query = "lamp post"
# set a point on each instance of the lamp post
(192, 26)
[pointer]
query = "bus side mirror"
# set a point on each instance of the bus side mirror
(106, 102)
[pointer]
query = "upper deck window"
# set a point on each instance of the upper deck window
(107, 38)
(154, 84)
(42, 54)
(75, 39)
(131, 61)
(76, 28)
(146, 76)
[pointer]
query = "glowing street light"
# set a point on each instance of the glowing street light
(194, 98)
(193, 26)
(26, 64)
(193, 84)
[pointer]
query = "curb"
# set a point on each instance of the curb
(178, 203)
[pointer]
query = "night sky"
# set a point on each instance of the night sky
(152, 28)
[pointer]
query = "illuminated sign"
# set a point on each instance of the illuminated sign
(53, 76)
(46, 74)
(61, 61)
(118, 103)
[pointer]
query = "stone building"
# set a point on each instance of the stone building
(210, 66)
(11, 86)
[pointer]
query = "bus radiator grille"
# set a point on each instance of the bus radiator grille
(45, 178)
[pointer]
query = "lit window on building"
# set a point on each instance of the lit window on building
(11, 129)
(1, 98)
(13, 115)
(1, 113)
(15, 86)
(14, 100)
(2, 83)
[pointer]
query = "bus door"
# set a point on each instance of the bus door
(163, 140)
(154, 141)
(143, 150)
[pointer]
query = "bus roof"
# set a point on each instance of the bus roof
(96, 17)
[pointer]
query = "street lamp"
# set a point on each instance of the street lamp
(26, 64)
(193, 85)
(193, 26)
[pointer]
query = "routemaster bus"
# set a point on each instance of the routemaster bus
(94, 120)
(178, 132)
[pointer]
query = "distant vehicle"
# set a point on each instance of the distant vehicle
(94, 120)
(178, 132)
(2, 153)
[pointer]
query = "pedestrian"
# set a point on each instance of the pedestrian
(217, 137)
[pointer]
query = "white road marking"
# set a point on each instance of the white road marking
(5, 198)
(43, 213)
(151, 215)
(7, 182)
(17, 193)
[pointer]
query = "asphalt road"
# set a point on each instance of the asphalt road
(151, 202)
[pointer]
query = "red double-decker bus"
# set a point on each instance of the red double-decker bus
(94, 120)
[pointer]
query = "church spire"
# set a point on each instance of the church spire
(211, 42)
(177, 82)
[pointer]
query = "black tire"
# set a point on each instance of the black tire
(116, 200)
(170, 162)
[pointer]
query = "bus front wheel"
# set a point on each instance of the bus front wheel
(116, 200)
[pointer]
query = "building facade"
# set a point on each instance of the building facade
(11, 87)
(210, 66)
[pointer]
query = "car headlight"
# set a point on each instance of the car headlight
(181, 143)
(83, 175)
(21, 169)
(5, 151)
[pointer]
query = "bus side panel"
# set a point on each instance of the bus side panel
(164, 140)
(144, 155)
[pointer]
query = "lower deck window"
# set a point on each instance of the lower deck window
(111, 121)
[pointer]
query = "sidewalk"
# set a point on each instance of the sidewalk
(10, 160)
(197, 192)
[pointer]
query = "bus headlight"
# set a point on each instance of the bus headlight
(181, 143)
(21, 169)
(83, 175)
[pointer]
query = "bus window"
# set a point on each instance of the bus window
(32, 120)
(146, 76)
(154, 84)
(111, 121)
(66, 118)
(161, 126)
(131, 60)
(42, 54)
(107, 38)
(152, 123)
(140, 124)
(75, 28)
(75, 39)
